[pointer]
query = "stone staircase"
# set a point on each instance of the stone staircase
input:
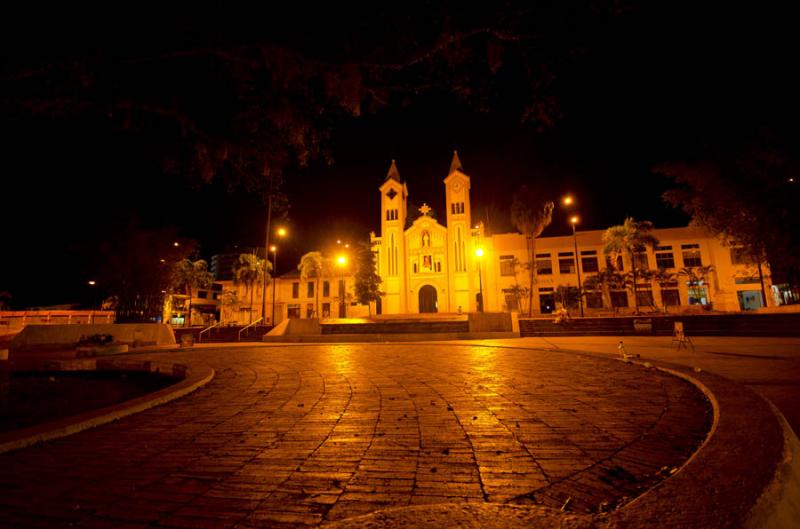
(422, 326)
(225, 334)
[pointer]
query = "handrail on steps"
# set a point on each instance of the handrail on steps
(247, 327)
(200, 336)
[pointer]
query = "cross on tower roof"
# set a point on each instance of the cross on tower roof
(425, 209)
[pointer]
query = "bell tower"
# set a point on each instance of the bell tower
(459, 230)
(392, 266)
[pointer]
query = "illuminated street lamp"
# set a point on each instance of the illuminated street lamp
(479, 255)
(274, 249)
(93, 284)
(573, 221)
(568, 200)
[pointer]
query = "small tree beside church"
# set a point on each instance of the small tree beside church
(367, 280)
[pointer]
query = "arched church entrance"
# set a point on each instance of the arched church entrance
(427, 299)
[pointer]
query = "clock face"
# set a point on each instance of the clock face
(457, 186)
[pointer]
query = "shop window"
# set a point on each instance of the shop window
(670, 297)
(619, 299)
(644, 297)
(594, 300)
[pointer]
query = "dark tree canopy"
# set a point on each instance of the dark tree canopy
(137, 268)
(248, 104)
(748, 195)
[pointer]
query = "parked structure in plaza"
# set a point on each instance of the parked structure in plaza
(427, 266)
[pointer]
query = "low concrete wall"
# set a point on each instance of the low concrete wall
(304, 327)
(490, 322)
(34, 337)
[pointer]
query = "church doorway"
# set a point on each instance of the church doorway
(427, 299)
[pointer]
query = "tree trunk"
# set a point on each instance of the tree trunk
(266, 258)
(761, 280)
(316, 292)
(189, 318)
(635, 291)
(531, 268)
(251, 303)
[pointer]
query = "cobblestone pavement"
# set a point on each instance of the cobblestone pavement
(769, 366)
(300, 435)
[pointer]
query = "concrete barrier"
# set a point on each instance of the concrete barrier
(39, 337)
(304, 327)
(490, 322)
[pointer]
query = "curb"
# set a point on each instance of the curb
(192, 380)
(778, 506)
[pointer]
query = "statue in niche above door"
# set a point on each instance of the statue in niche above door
(426, 239)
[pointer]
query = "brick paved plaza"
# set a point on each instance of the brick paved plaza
(301, 435)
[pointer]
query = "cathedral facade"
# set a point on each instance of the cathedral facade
(456, 267)
(427, 266)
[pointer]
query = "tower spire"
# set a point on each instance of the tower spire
(455, 165)
(393, 172)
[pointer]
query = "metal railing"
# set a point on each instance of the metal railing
(207, 329)
(247, 327)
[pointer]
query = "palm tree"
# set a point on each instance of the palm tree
(248, 270)
(629, 238)
(531, 216)
(189, 275)
(313, 265)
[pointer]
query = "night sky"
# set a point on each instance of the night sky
(656, 83)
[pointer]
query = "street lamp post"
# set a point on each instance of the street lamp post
(573, 221)
(274, 249)
(479, 255)
(341, 262)
(274, 279)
